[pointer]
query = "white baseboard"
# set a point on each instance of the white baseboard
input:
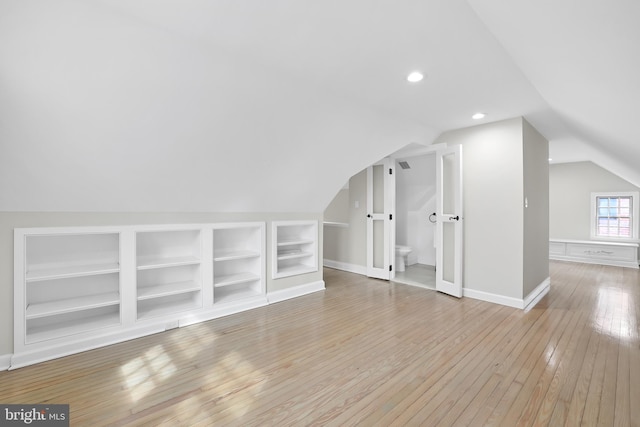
(224, 309)
(584, 260)
(56, 351)
(524, 304)
(537, 294)
(494, 298)
(351, 268)
(296, 291)
(5, 361)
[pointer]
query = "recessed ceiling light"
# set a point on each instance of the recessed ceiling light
(415, 77)
(478, 116)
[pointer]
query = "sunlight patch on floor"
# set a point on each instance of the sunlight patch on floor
(143, 373)
(613, 307)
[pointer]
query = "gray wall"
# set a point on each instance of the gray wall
(570, 188)
(338, 209)
(536, 212)
(11, 220)
(494, 215)
(493, 195)
(349, 244)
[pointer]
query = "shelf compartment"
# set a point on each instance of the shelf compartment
(232, 255)
(151, 262)
(157, 291)
(291, 270)
(69, 255)
(237, 292)
(67, 271)
(293, 255)
(71, 289)
(58, 326)
(235, 279)
(168, 248)
(72, 304)
(169, 304)
(295, 248)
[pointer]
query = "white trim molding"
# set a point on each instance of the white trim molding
(537, 294)
(524, 304)
(5, 362)
(493, 298)
(619, 254)
(296, 291)
(344, 266)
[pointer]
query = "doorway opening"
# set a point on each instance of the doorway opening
(415, 225)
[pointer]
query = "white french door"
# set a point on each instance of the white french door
(380, 211)
(449, 226)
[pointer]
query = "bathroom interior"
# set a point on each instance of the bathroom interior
(415, 225)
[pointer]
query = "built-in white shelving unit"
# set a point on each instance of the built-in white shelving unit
(295, 248)
(169, 275)
(78, 288)
(238, 261)
(71, 284)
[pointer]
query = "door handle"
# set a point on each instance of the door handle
(457, 218)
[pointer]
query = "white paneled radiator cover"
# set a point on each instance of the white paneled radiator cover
(595, 252)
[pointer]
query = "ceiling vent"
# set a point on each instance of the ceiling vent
(404, 165)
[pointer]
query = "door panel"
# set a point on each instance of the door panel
(449, 226)
(380, 203)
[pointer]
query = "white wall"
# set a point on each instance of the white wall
(415, 200)
(104, 112)
(571, 185)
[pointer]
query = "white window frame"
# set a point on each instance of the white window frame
(635, 214)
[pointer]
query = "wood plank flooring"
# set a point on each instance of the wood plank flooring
(368, 352)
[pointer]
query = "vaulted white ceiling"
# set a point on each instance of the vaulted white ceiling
(231, 105)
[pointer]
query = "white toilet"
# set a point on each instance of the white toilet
(401, 257)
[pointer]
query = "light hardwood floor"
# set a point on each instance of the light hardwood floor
(368, 352)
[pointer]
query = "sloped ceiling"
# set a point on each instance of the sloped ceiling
(198, 105)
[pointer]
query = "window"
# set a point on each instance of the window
(614, 215)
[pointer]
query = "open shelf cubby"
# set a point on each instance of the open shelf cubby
(238, 261)
(169, 276)
(295, 248)
(71, 282)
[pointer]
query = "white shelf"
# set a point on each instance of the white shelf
(295, 242)
(234, 255)
(148, 292)
(166, 307)
(71, 327)
(72, 304)
(225, 295)
(293, 255)
(149, 262)
(235, 279)
(67, 271)
(296, 269)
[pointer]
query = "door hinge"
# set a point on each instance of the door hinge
(390, 216)
(390, 171)
(390, 268)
